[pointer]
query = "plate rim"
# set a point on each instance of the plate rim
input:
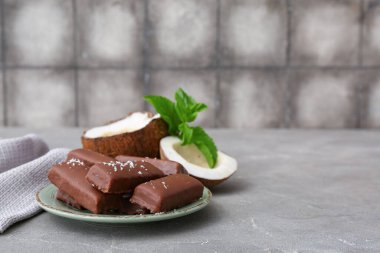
(114, 218)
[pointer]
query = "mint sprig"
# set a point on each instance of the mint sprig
(186, 107)
(166, 109)
(178, 114)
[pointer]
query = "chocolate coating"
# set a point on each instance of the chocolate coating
(87, 156)
(67, 199)
(126, 206)
(132, 209)
(166, 166)
(118, 177)
(167, 193)
(70, 177)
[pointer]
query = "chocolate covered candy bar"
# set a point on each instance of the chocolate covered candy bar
(167, 193)
(67, 199)
(70, 177)
(121, 177)
(166, 166)
(88, 157)
(126, 206)
(132, 209)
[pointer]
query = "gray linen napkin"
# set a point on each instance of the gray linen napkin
(18, 186)
(20, 150)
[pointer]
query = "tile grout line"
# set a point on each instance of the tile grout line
(288, 92)
(361, 34)
(288, 97)
(288, 31)
(218, 92)
(360, 89)
(3, 62)
(146, 72)
(236, 67)
(75, 52)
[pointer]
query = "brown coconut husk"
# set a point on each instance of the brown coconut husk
(144, 142)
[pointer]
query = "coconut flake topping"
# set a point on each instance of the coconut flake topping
(74, 161)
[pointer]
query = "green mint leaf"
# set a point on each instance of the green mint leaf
(206, 145)
(178, 114)
(186, 107)
(199, 107)
(166, 109)
(186, 133)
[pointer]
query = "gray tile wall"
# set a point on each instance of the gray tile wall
(256, 63)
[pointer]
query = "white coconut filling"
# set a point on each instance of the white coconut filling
(192, 154)
(131, 123)
(225, 165)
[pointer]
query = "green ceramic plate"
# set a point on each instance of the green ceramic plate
(46, 199)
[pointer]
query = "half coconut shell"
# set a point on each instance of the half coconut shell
(144, 142)
(210, 177)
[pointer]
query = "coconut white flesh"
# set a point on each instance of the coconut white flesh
(131, 123)
(193, 163)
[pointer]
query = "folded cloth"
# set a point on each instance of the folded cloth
(18, 186)
(17, 151)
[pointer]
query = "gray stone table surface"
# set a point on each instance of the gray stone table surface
(295, 191)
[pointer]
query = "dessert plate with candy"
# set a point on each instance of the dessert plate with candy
(90, 186)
